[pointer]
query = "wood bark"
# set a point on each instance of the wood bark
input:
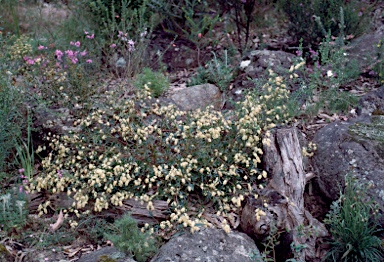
(284, 196)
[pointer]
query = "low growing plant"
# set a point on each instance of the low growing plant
(128, 238)
(155, 81)
(13, 211)
(218, 71)
(11, 120)
(351, 221)
(25, 152)
(137, 149)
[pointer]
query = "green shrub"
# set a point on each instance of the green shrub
(129, 239)
(13, 210)
(155, 81)
(217, 71)
(11, 119)
(124, 34)
(352, 225)
(304, 24)
(323, 89)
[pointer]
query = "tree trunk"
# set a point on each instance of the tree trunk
(284, 195)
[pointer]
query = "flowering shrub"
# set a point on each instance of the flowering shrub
(158, 152)
(59, 75)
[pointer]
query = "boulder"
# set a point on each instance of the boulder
(199, 96)
(364, 50)
(260, 60)
(351, 147)
(254, 67)
(208, 245)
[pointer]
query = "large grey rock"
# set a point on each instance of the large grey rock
(199, 96)
(260, 60)
(345, 147)
(207, 245)
(363, 49)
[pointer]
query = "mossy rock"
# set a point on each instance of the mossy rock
(5, 256)
(373, 131)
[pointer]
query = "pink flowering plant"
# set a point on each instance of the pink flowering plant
(61, 75)
(127, 53)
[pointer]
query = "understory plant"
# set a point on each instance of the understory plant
(11, 120)
(351, 221)
(128, 238)
(25, 152)
(13, 210)
(218, 71)
(125, 31)
(138, 149)
(155, 81)
(311, 20)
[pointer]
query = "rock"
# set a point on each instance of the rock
(199, 96)
(208, 245)
(372, 103)
(107, 252)
(345, 147)
(261, 60)
(363, 49)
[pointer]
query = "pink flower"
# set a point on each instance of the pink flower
(131, 46)
(112, 46)
(59, 54)
(41, 47)
(199, 35)
(89, 61)
(83, 53)
(21, 189)
(21, 170)
(74, 60)
(59, 174)
(72, 43)
(91, 36)
(30, 61)
(77, 44)
(86, 32)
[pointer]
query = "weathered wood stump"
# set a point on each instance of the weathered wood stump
(283, 198)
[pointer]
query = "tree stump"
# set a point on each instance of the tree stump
(283, 198)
